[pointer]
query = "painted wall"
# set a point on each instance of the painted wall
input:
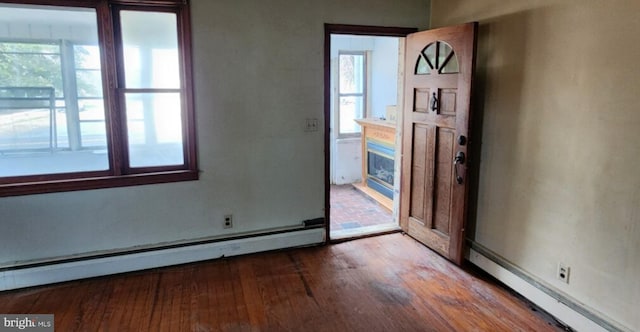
(258, 75)
(558, 129)
(346, 160)
(384, 81)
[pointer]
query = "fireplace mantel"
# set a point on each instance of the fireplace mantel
(378, 137)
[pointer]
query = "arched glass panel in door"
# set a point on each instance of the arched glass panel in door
(438, 56)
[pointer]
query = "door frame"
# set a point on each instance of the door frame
(344, 29)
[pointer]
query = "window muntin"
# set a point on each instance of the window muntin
(140, 124)
(352, 87)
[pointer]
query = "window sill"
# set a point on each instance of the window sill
(343, 140)
(30, 188)
(349, 136)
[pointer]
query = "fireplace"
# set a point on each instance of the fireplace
(380, 167)
(378, 152)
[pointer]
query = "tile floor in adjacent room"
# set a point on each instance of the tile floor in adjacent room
(352, 209)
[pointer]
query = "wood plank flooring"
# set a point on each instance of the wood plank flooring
(384, 283)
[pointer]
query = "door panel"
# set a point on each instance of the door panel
(420, 207)
(422, 100)
(438, 75)
(443, 178)
(448, 102)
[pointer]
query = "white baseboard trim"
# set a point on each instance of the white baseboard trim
(561, 311)
(48, 274)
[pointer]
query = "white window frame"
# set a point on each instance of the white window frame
(364, 94)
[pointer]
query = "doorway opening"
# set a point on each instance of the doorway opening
(362, 83)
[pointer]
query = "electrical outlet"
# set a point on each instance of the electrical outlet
(563, 272)
(228, 221)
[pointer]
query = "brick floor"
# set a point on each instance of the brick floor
(350, 209)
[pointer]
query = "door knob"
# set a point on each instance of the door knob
(459, 160)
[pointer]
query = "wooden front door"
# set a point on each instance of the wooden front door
(439, 69)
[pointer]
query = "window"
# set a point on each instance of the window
(352, 87)
(94, 95)
(438, 56)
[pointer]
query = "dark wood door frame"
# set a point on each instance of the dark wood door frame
(343, 29)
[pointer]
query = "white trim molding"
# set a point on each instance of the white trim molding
(567, 310)
(94, 267)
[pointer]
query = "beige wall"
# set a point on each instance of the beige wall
(258, 76)
(558, 88)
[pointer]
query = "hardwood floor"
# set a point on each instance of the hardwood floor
(384, 283)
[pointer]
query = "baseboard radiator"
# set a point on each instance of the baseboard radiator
(101, 265)
(569, 311)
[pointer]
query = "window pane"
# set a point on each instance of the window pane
(89, 83)
(352, 73)
(150, 42)
(92, 123)
(422, 68)
(87, 56)
(351, 108)
(443, 52)
(154, 129)
(31, 65)
(430, 53)
(451, 66)
(40, 131)
(90, 103)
